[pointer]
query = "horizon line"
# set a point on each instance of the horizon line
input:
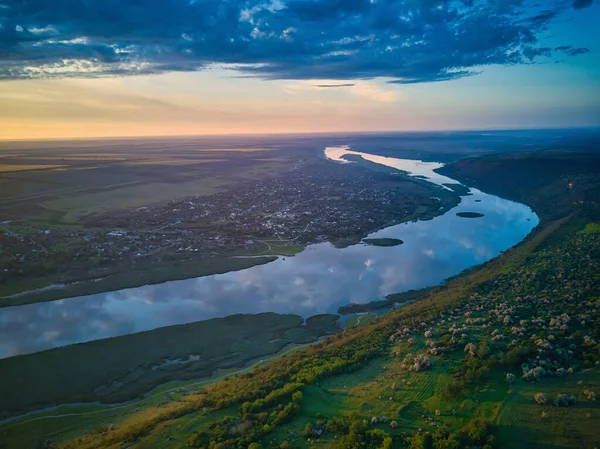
(301, 133)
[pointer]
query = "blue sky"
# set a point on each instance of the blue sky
(76, 68)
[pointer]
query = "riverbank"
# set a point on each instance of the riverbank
(118, 280)
(121, 368)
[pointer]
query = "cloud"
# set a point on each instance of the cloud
(335, 85)
(572, 51)
(577, 51)
(406, 41)
(363, 89)
(580, 4)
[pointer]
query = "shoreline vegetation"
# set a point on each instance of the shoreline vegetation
(119, 369)
(133, 279)
(392, 300)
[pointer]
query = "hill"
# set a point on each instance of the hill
(553, 183)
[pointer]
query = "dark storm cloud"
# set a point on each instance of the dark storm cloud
(409, 41)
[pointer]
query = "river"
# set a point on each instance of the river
(318, 280)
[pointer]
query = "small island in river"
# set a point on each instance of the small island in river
(383, 242)
(470, 214)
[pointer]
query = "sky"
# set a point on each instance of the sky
(98, 68)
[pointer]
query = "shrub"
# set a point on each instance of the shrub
(476, 432)
(562, 400)
(589, 395)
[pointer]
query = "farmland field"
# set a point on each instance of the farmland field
(117, 167)
(26, 167)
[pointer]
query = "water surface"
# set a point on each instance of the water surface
(318, 280)
(416, 168)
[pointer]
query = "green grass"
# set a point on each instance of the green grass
(360, 320)
(277, 248)
(591, 228)
(520, 424)
(130, 196)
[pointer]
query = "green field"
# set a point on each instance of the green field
(104, 180)
(64, 423)
(591, 228)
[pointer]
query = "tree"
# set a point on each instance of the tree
(446, 443)
(420, 441)
(471, 349)
(307, 430)
(540, 398)
(387, 443)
